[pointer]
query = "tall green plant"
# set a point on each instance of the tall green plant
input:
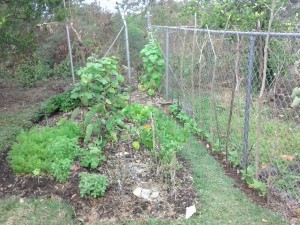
(100, 90)
(154, 65)
(100, 82)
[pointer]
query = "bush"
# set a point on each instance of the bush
(33, 70)
(61, 102)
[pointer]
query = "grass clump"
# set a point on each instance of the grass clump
(12, 123)
(35, 212)
(47, 149)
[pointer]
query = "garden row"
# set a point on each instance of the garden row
(98, 117)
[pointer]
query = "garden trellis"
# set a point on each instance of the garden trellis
(215, 75)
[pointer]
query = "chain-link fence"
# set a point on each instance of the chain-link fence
(217, 76)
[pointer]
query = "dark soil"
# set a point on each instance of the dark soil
(119, 202)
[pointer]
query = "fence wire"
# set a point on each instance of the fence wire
(217, 78)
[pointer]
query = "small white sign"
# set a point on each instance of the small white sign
(190, 211)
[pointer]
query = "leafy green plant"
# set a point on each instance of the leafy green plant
(170, 136)
(92, 158)
(46, 149)
(100, 83)
(234, 158)
(136, 145)
(137, 113)
(258, 185)
(60, 169)
(153, 66)
(36, 172)
(248, 176)
(100, 89)
(188, 123)
(92, 184)
(61, 102)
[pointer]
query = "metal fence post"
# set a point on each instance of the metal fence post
(127, 45)
(148, 16)
(167, 64)
(248, 100)
(69, 47)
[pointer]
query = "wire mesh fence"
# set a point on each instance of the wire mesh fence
(217, 76)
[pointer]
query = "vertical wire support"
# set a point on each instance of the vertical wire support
(167, 63)
(69, 47)
(127, 45)
(248, 100)
(148, 16)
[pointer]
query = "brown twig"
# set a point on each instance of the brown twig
(234, 85)
(262, 90)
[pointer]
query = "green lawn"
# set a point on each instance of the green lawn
(222, 203)
(34, 212)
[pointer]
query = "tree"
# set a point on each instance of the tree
(18, 21)
(234, 14)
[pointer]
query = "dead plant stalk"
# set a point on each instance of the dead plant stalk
(262, 90)
(213, 98)
(234, 89)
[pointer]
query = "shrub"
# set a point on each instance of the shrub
(33, 70)
(61, 102)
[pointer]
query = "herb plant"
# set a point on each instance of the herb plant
(92, 158)
(60, 169)
(47, 150)
(93, 185)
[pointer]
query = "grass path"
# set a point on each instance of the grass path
(222, 203)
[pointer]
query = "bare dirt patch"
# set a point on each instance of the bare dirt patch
(15, 98)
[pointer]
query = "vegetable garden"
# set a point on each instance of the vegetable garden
(209, 122)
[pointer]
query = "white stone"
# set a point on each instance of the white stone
(121, 154)
(137, 192)
(155, 194)
(190, 211)
(145, 193)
